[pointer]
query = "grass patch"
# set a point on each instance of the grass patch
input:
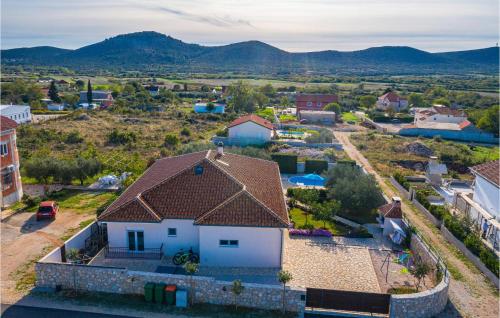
(348, 116)
(298, 216)
(137, 302)
(287, 117)
(267, 113)
(402, 290)
(82, 202)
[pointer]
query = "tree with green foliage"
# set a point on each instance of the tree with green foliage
(268, 90)
(419, 270)
(171, 140)
(367, 101)
(86, 168)
(333, 107)
(89, 93)
(416, 100)
(322, 136)
(70, 99)
(489, 120)
(242, 97)
(79, 85)
(356, 191)
(326, 211)
(441, 101)
(41, 168)
(191, 268)
(284, 101)
(54, 93)
(237, 288)
(284, 277)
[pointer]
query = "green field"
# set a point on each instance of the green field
(348, 116)
(298, 216)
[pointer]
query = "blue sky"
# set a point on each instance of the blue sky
(293, 25)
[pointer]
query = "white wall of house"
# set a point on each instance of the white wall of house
(257, 247)
(440, 118)
(156, 234)
(487, 195)
(250, 130)
(388, 228)
(385, 104)
(19, 113)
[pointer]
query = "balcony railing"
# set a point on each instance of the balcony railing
(124, 252)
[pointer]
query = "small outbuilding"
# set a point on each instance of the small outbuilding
(250, 129)
(391, 218)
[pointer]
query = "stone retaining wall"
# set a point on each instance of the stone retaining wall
(427, 214)
(400, 188)
(207, 289)
(425, 304)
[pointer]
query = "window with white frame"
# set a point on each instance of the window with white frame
(228, 243)
(4, 149)
(172, 231)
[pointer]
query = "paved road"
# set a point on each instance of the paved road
(17, 311)
(472, 295)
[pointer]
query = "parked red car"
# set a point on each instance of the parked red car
(47, 209)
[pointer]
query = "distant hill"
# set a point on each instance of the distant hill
(155, 51)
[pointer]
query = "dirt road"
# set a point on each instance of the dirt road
(23, 239)
(473, 295)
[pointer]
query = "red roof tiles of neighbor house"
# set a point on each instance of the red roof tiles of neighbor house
(7, 123)
(391, 96)
(464, 124)
(253, 118)
(489, 171)
(391, 210)
(443, 110)
(209, 188)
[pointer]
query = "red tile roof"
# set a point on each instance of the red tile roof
(464, 124)
(253, 118)
(443, 110)
(489, 171)
(231, 190)
(391, 97)
(7, 123)
(391, 210)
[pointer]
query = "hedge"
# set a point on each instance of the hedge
(402, 180)
(316, 165)
(286, 162)
(347, 162)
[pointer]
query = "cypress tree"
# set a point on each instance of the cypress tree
(53, 93)
(89, 93)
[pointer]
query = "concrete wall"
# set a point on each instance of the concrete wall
(400, 188)
(250, 130)
(258, 247)
(486, 194)
(207, 289)
(156, 234)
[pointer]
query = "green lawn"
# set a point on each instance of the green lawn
(267, 113)
(486, 153)
(298, 216)
(348, 116)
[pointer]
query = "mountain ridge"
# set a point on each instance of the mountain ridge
(148, 50)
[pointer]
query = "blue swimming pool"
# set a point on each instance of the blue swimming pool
(308, 180)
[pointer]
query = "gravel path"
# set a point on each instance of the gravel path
(473, 295)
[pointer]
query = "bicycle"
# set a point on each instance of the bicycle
(182, 257)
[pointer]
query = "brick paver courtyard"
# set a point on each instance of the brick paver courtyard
(317, 262)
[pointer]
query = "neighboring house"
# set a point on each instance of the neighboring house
(19, 113)
(392, 101)
(228, 208)
(391, 219)
(250, 129)
(102, 98)
(484, 203)
(318, 116)
(447, 123)
(63, 84)
(219, 108)
(10, 179)
(435, 171)
(55, 107)
(153, 90)
(314, 101)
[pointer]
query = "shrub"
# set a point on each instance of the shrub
(438, 211)
(402, 180)
(286, 162)
(456, 227)
(171, 140)
(119, 138)
(323, 136)
(185, 132)
(316, 166)
(346, 162)
(30, 201)
(222, 132)
(473, 243)
(73, 138)
(490, 260)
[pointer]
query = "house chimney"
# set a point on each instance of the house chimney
(220, 149)
(396, 201)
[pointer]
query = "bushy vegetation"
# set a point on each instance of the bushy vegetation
(315, 166)
(47, 169)
(322, 136)
(286, 162)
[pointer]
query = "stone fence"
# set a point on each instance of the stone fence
(428, 303)
(206, 289)
(400, 188)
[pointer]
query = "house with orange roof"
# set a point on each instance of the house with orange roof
(250, 129)
(230, 209)
(392, 101)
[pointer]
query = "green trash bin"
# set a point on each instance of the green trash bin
(159, 292)
(170, 294)
(148, 292)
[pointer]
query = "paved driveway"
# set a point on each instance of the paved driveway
(321, 263)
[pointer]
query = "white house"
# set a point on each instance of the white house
(484, 204)
(19, 113)
(55, 107)
(391, 218)
(250, 129)
(392, 101)
(439, 114)
(435, 171)
(228, 208)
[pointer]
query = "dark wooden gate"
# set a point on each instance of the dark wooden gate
(348, 300)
